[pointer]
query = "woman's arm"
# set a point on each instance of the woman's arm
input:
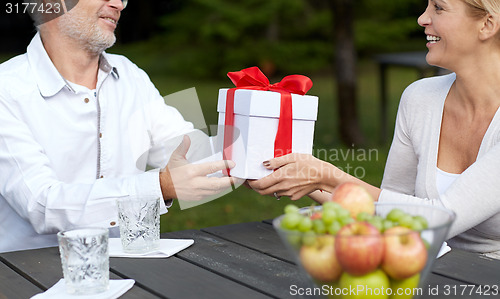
(298, 175)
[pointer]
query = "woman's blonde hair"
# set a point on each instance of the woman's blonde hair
(481, 8)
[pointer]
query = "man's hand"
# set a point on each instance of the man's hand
(190, 182)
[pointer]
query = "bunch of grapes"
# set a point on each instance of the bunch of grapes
(310, 222)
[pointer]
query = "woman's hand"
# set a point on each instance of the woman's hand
(295, 176)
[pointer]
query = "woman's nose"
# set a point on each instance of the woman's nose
(424, 19)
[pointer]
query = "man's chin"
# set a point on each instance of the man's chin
(97, 47)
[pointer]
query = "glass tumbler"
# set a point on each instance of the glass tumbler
(85, 260)
(139, 220)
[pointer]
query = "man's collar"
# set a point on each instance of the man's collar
(48, 78)
(105, 66)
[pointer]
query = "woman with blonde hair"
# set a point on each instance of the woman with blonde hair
(446, 146)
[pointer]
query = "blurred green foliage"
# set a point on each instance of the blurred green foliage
(208, 38)
(389, 25)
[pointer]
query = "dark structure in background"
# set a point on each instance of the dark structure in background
(345, 72)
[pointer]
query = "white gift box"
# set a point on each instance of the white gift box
(256, 118)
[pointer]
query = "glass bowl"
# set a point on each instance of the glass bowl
(386, 255)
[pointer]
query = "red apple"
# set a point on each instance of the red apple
(319, 259)
(354, 198)
(359, 247)
(405, 252)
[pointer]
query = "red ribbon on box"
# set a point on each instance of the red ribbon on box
(253, 78)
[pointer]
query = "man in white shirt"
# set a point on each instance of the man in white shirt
(75, 124)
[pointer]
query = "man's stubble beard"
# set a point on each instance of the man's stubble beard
(86, 33)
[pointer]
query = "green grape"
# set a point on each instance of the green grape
(377, 223)
(416, 225)
(291, 208)
(305, 224)
(395, 214)
(309, 238)
(343, 213)
(329, 216)
(319, 226)
(294, 239)
(406, 220)
(290, 221)
(346, 220)
(422, 220)
(331, 205)
(334, 227)
(386, 224)
(363, 216)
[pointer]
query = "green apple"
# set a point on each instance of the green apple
(372, 285)
(407, 287)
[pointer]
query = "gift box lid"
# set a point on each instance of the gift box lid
(267, 104)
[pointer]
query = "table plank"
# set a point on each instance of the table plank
(13, 285)
(468, 267)
(259, 236)
(43, 266)
(175, 278)
(262, 272)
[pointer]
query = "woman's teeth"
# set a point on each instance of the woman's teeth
(433, 39)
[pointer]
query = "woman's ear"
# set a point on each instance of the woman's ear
(490, 28)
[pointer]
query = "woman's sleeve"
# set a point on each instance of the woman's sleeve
(473, 196)
(401, 166)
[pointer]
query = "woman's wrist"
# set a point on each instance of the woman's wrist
(329, 176)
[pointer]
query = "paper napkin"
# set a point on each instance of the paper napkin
(444, 249)
(168, 247)
(116, 289)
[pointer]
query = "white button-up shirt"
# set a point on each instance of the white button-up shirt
(67, 152)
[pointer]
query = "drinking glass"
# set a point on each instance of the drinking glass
(85, 260)
(139, 220)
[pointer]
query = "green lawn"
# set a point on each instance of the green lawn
(243, 205)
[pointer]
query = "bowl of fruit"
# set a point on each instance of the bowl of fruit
(352, 247)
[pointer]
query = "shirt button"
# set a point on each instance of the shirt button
(112, 223)
(86, 100)
(102, 176)
(100, 135)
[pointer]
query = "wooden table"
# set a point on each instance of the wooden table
(244, 260)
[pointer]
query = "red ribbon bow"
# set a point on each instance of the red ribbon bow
(253, 78)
